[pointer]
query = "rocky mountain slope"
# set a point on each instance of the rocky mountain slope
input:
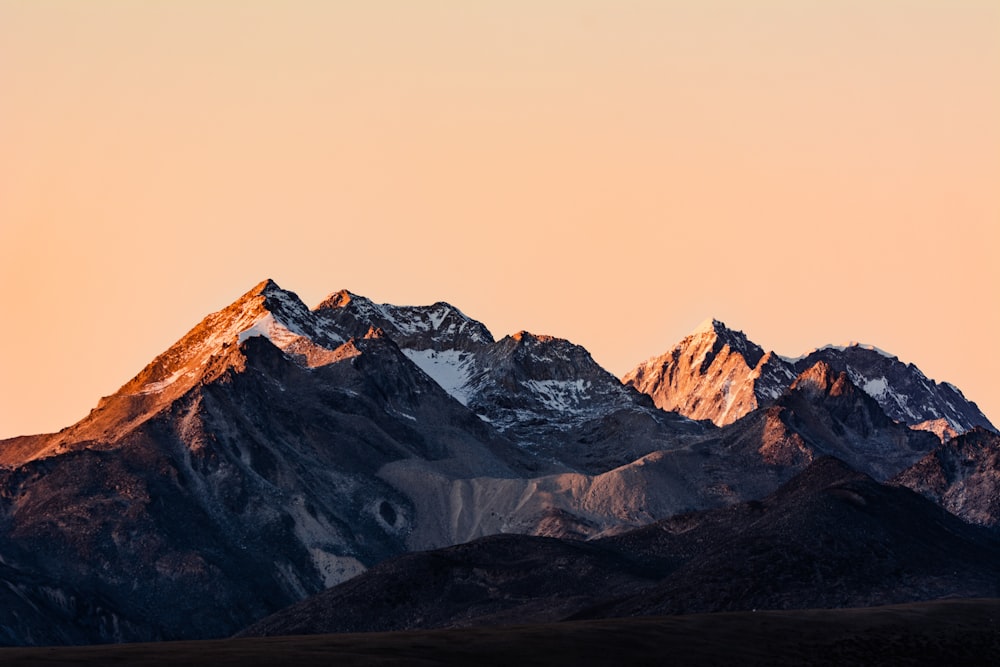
(254, 489)
(902, 390)
(962, 475)
(242, 464)
(822, 413)
(831, 537)
(542, 392)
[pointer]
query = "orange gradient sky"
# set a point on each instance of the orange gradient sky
(810, 172)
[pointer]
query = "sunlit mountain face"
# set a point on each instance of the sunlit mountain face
(718, 374)
(276, 451)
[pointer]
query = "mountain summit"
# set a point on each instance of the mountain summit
(903, 391)
(715, 373)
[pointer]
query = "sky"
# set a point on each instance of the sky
(611, 172)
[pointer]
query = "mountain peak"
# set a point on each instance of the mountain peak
(528, 337)
(715, 333)
(267, 297)
(723, 335)
(714, 373)
(338, 299)
(821, 378)
(903, 391)
(820, 373)
(263, 288)
(850, 347)
(267, 286)
(710, 325)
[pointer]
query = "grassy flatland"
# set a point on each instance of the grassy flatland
(965, 632)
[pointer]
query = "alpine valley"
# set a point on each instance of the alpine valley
(369, 467)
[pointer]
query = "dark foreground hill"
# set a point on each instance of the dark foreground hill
(831, 537)
(956, 632)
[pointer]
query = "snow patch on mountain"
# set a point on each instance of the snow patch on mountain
(439, 326)
(903, 391)
(560, 395)
(877, 388)
(281, 334)
(154, 387)
(413, 320)
(449, 368)
(881, 390)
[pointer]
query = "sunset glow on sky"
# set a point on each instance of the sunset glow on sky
(613, 173)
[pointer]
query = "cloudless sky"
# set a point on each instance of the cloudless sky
(610, 172)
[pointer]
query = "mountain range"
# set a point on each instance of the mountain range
(719, 374)
(277, 451)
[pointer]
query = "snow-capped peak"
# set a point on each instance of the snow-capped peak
(337, 299)
(439, 326)
(265, 310)
(709, 326)
(842, 348)
(901, 389)
(267, 287)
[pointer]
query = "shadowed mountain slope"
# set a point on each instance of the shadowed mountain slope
(831, 537)
(962, 475)
(235, 468)
(903, 391)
